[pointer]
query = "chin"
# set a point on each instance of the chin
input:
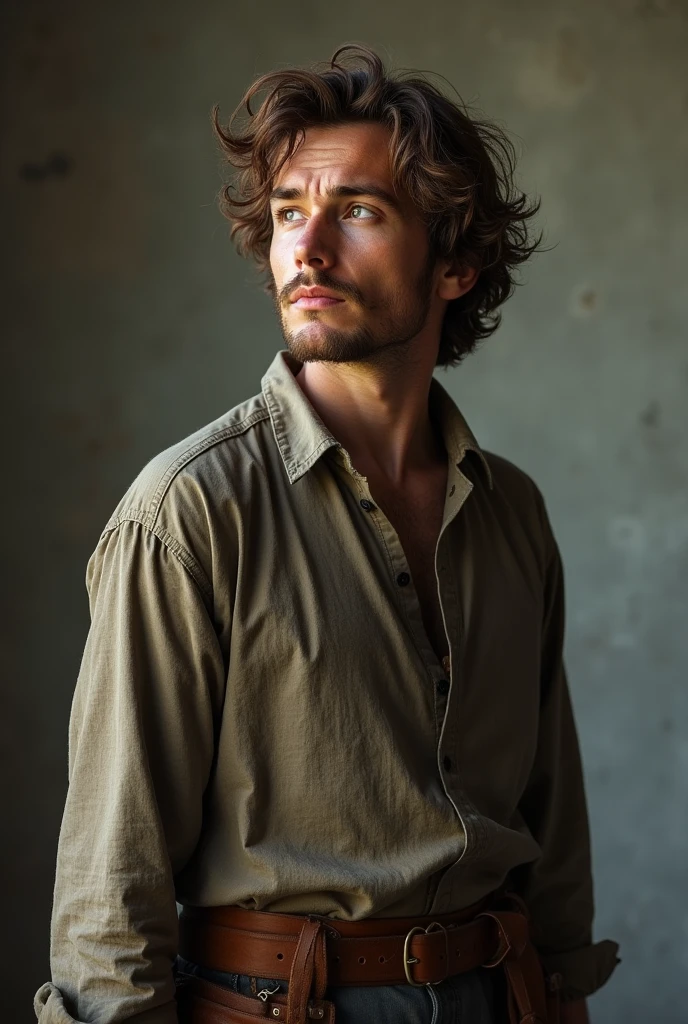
(315, 342)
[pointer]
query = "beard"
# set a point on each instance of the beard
(386, 330)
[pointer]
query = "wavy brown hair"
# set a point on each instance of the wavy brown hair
(457, 169)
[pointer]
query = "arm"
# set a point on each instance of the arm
(558, 887)
(140, 750)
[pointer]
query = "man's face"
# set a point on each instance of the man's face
(340, 230)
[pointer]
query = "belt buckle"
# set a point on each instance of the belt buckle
(409, 960)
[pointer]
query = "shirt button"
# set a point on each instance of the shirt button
(367, 505)
(403, 579)
(443, 686)
(447, 764)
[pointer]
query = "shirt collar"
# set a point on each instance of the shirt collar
(302, 437)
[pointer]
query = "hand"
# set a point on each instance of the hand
(575, 1012)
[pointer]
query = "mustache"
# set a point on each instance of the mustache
(320, 279)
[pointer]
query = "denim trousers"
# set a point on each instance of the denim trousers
(476, 997)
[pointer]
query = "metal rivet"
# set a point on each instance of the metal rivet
(275, 1011)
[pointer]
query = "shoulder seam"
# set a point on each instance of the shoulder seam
(191, 453)
(183, 556)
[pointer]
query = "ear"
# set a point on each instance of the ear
(455, 280)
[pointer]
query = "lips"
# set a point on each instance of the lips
(314, 298)
(316, 302)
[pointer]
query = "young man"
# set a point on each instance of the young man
(323, 686)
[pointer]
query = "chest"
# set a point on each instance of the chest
(417, 519)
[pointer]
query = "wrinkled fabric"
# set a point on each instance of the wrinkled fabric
(257, 718)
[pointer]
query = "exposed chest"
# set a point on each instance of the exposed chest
(417, 518)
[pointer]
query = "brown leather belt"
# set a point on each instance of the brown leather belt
(312, 952)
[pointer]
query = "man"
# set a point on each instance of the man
(323, 684)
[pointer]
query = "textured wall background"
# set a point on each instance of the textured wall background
(127, 322)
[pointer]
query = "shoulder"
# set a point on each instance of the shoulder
(517, 498)
(511, 482)
(192, 466)
(192, 496)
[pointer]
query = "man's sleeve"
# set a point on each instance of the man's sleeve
(558, 887)
(141, 746)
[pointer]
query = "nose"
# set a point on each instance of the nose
(313, 246)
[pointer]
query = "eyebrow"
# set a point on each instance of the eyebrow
(342, 192)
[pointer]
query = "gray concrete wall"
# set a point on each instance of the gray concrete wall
(127, 321)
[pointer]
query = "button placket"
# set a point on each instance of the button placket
(448, 738)
(448, 733)
(401, 575)
(397, 559)
(447, 600)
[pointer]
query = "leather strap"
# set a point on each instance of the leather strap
(312, 952)
(308, 970)
(203, 1002)
(526, 990)
(368, 952)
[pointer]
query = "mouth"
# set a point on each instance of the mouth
(316, 302)
(314, 298)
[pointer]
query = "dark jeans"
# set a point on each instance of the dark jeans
(476, 997)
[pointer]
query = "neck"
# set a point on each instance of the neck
(379, 414)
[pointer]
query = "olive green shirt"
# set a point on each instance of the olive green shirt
(260, 718)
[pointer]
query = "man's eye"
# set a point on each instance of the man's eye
(361, 213)
(288, 216)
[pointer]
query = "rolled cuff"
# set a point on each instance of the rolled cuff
(50, 1009)
(583, 970)
(49, 1006)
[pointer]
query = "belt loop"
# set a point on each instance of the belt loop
(309, 959)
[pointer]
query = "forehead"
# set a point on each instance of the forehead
(335, 154)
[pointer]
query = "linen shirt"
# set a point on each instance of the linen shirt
(260, 718)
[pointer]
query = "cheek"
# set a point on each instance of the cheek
(391, 259)
(394, 275)
(274, 263)
(280, 255)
